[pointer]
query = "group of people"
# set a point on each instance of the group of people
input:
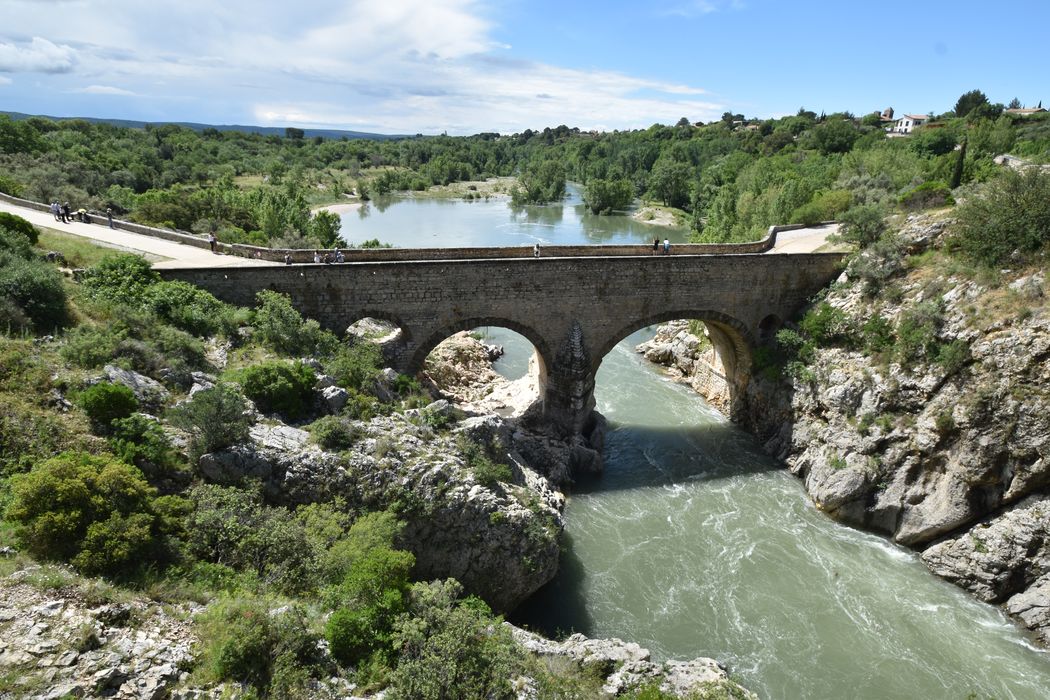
(61, 212)
(656, 246)
(327, 258)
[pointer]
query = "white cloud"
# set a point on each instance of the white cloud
(103, 90)
(5, 80)
(38, 56)
(397, 66)
(697, 8)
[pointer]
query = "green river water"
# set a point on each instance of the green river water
(694, 543)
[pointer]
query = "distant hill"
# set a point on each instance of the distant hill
(264, 130)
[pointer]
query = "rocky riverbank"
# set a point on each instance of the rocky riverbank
(937, 434)
(64, 635)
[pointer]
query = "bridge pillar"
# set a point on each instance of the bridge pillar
(569, 399)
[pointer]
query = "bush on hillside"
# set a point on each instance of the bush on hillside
(863, 224)
(15, 223)
(357, 366)
(121, 278)
(215, 418)
(244, 642)
(1012, 213)
(35, 290)
(281, 328)
(231, 526)
(333, 433)
(188, 307)
(928, 195)
(106, 402)
(139, 440)
(279, 387)
(452, 647)
(94, 512)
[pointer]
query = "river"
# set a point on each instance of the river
(694, 543)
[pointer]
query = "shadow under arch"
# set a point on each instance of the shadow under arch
(731, 339)
(543, 353)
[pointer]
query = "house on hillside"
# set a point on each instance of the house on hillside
(909, 122)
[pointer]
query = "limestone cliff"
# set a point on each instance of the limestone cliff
(925, 411)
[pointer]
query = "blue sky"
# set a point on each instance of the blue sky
(465, 66)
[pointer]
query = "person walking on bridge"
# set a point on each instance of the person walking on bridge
(667, 246)
(536, 250)
(656, 246)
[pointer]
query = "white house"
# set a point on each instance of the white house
(908, 122)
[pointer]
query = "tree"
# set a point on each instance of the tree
(669, 182)
(325, 227)
(215, 418)
(969, 101)
(93, 511)
(1009, 218)
(835, 136)
(290, 132)
(603, 196)
(1014, 104)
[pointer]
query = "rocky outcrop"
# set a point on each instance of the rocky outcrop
(1004, 560)
(625, 666)
(60, 643)
(924, 448)
(690, 358)
(148, 392)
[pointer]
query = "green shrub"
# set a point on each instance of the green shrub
(356, 367)
(1012, 213)
(215, 418)
(15, 223)
(863, 224)
(826, 325)
(452, 647)
(944, 423)
(877, 334)
(140, 441)
(231, 526)
(487, 472)
(92, 511)
(333, 433)
(281, 328)
(106, 402)
(90, 346)
(373, 593)
(188, 307)
(953, 356)
(242, 641)
(38, 291)
(917, 332)
(928, 195)
(120, 279)
(14, 245)
(279, 387)
(878, 263)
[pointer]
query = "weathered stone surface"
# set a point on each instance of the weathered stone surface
(335, 398)
(149, 392)
(626, 665)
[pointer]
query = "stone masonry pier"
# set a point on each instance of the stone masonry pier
(574, 310)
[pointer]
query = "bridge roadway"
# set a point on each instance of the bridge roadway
(574, 303)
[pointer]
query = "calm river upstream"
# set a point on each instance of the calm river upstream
(694, 543)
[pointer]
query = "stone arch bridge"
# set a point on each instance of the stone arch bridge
(573, 308)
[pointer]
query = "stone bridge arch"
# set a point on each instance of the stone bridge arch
(730, 337)
(430, 339)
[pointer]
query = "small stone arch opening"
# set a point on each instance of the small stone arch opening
(707, 350)
(768, 327)
(384, 330)
(485, 363)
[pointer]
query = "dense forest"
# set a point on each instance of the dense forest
(731, 178)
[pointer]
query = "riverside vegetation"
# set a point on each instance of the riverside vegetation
(731, 179)
(208, 501)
